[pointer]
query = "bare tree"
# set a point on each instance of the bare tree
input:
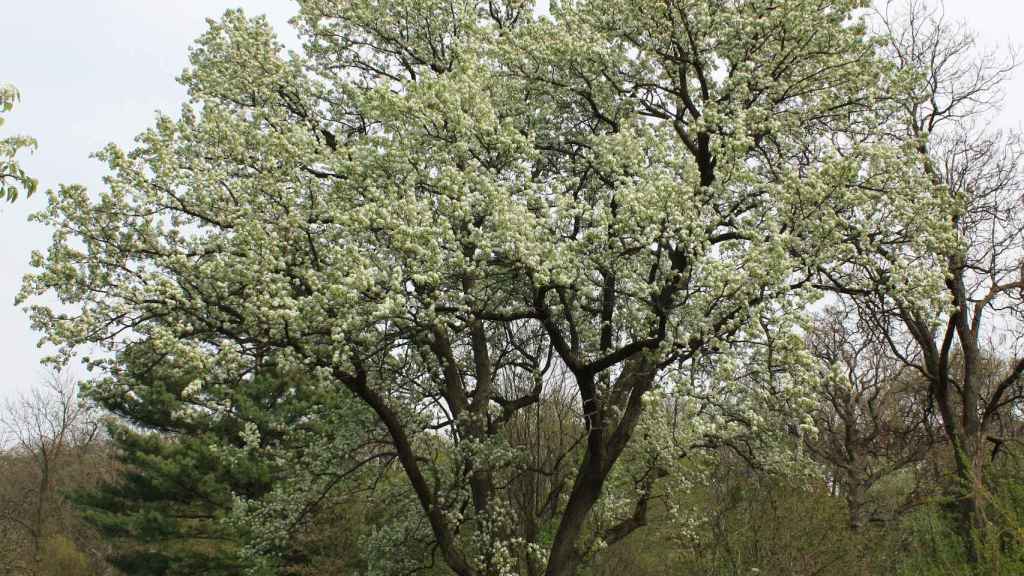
(48, 436)
(870, 421)
(958, 89)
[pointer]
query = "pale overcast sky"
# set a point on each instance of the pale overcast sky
(95, 71)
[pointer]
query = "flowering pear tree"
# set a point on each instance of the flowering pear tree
(12, 176)
(457, 210)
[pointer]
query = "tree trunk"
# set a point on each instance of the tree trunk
(970, 495)
(855, 498)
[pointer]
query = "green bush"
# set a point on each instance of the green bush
(60, 556)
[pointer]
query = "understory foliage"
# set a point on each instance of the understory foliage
(524, 277)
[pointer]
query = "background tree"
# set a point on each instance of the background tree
(51, 445)
(872, 421)
(979, 171)
(441, 202)
(182, 470)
